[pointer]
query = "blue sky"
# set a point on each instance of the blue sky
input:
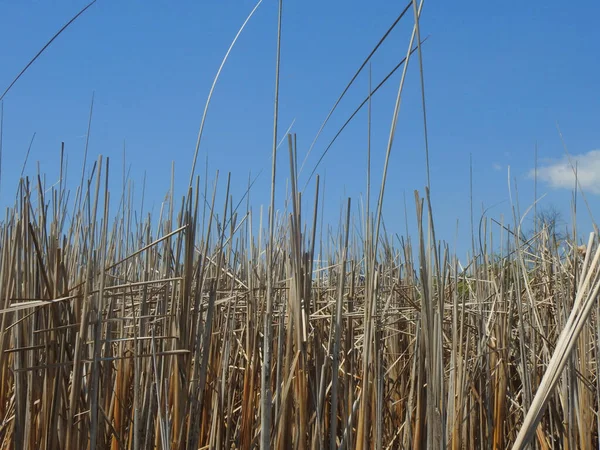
(498, 80)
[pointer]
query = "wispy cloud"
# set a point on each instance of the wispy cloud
(497, 166)
(559, 174)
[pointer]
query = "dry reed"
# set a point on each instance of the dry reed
(190, 331)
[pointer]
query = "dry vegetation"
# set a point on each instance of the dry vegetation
(149, 334)
(138, 332)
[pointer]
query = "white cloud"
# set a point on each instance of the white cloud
(497, 166)
(559, 174)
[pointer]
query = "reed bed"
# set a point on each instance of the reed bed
(213, 326)
(145, 332)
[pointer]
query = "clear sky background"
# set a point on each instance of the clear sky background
(498, 80)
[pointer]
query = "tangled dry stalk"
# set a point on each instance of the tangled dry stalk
(121, 331)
